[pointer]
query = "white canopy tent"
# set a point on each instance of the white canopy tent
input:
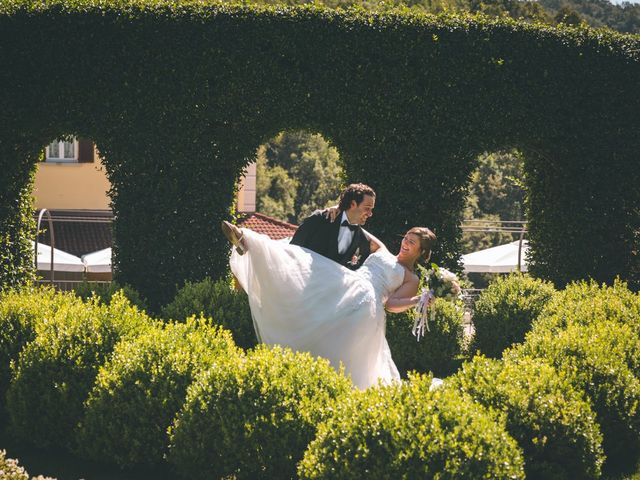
(500, 259)
(62, 261)
(98, 262)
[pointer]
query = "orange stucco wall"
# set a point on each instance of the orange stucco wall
(84, 186)
(71, 186)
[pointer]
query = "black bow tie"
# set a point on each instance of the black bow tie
(351, 227)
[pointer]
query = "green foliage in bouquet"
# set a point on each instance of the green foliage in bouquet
(505, 311)
(441, 348)
(20, 312)
(254, 418)
(218, 300)
(601, 360)
(55, 372)
(544, 413)
(105, 291)
(408, 431)
(141, 388)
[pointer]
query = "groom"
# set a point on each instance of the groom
(342, 240)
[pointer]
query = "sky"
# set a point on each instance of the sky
(618, 2)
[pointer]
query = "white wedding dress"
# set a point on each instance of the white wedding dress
(309, 303)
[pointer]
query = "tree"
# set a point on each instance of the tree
(497, 186)
(297, 172)
(275, 189)
(568, 16)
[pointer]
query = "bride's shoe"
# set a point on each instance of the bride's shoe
(234, 235)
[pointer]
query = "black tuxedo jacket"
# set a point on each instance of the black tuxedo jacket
(321, 235)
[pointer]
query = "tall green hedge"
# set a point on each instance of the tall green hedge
(178, 95)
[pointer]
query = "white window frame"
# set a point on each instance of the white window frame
(61, 143)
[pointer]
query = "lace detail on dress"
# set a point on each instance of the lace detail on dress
(384, 272)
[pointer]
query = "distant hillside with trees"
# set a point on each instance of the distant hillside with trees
(624, 17)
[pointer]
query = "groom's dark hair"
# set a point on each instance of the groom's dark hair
(355, 191)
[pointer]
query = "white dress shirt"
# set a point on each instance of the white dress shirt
(345, 235)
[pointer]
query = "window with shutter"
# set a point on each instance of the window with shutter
(80, 150)
(85, 151)
(62, 151)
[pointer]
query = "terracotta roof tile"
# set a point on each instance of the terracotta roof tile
(274, 228)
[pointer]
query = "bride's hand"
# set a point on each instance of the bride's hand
(331, 213)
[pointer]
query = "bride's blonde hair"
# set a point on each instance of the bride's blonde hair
(427, 240)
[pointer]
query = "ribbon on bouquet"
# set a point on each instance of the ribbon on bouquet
(421, 323)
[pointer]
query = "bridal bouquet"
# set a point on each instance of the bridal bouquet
(436, 282)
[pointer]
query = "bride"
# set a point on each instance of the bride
(310, 303)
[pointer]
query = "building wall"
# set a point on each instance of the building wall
(84, 186)
(81, 186)
(247, 191)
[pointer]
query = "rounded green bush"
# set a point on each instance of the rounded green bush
(20, 311)
(226, 306)
(596, 359)
(139, 391)
(545, 414)
(106, 291)
(55, 372)
(410, 431)
(505, 311)
(254, 418)
(585, 303)
(10, 469)
(439, 351)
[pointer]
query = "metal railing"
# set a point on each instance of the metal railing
(515, 227)
(68, 285)
(53, 240)
(489, 226)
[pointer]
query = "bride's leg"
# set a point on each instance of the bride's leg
(234, 235)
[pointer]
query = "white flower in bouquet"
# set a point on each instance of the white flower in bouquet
(443, 283)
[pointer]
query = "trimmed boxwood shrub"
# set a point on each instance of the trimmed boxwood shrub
(408, 431)
(596, 359)
(505, 310)
(55, 372)
(226, 306)
(544, 413)
(11, 470)
(20, 311)
(439, 351)
(586, 303)
(254, 418)
(139, 391)
(105, 291)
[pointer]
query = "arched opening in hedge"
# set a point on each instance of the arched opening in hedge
(297, 172)
(179, 96)
(67, 185)
(494, 212)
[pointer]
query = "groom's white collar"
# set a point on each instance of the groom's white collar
(343, 218)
